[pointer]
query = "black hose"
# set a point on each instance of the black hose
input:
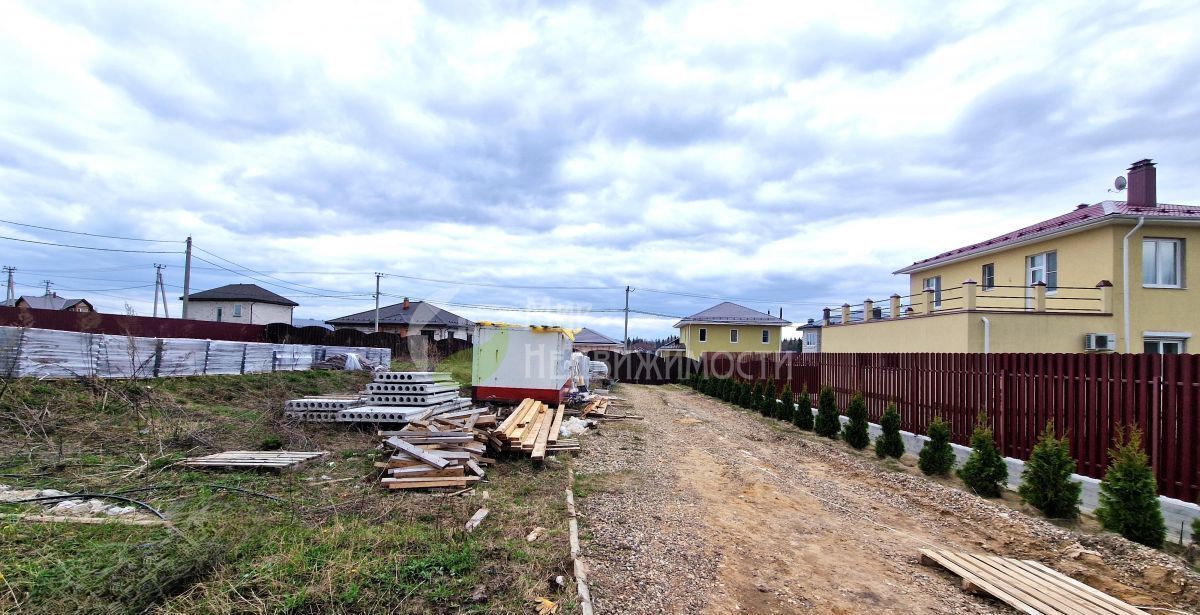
(212, 486)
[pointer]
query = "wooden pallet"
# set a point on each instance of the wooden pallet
(1026, 585)
(267, 460)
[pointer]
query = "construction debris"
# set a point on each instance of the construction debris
(534, 428)
(443, 451)
(476, 519)
(1025, 585)
(267, 460)
(392, 397)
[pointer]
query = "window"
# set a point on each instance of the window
(766, 336)
(1163, 345)
(989, 276)
(1162, 263)
(810, 338)
(733, 336)
(1043, 268)
(237, 310)
(936, 284)
(219, 312)
(703, 334)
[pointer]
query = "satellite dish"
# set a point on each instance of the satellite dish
(1119, 183)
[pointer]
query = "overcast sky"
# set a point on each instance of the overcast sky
(785, 154)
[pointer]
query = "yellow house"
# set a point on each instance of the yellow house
(729, 327)
(1113, 276)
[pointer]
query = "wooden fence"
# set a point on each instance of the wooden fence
(1086, 396)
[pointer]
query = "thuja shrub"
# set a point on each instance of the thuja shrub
(769, 402)
(787, 406)
(827, 423)
(855, 432)
(985, 472)
(889, 443)
(803, 416)
(750, 401)
(937, 456)
(1129, 493)
(1046, 480)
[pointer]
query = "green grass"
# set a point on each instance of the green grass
(458, 364)
(338, 544)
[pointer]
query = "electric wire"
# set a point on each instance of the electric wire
(59, 230)
(67, 245)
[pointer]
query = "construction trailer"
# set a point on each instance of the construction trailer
(512, 362)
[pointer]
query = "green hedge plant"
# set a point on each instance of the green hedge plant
(985, 472)
(1046, 480)
(856, 433)
(1129, 492)
(827, 423)
(937, 456)
(787, 405)
(889, 443)
(803, 416)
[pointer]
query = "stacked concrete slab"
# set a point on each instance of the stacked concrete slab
(393, 397)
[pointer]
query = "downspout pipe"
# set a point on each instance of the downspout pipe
(987, 334)
(1125, 290)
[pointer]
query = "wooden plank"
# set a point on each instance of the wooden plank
(417, 452)
(1064, 596)
(554, 427)
(543, 436)
(505, 426)
(83, 520)
(1096, 594)
(474, 467)
(426, 472)
(423, 483)
(476, 519)
(931, 557)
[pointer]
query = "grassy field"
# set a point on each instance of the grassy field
(458, 364)
(337, 543)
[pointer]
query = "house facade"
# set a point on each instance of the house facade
(52, 301)
(810, 336)
(729, 327)
(248, 304)
(409, 318)
(1112, 276)
(587, 340)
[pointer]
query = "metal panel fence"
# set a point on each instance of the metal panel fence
(1087, 396)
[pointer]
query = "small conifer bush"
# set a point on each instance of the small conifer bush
(770, 401)
(1046, 481)
(855, 432)
(937, 456)
(750, 401)
(803, 416)
(1129, 493)
(890, 444)
(827, 423)
(985, 472)
(787, 406)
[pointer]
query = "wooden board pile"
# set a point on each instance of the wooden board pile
(447, 450)
(264, 460)
(392, 397)
(533, 428)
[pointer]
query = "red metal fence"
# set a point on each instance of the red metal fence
(1087, 396)
(137, 326)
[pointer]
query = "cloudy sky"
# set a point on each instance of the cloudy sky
(784, 154)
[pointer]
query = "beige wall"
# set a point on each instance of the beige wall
(1163, 309)
(263, 313)
(964, 332)
(749, 339)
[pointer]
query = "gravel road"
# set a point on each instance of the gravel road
(704, 508)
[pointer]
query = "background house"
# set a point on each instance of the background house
(240, 303)
(53, 302)
(409, 318)
(1111, 276)
(672, 348)
(810, 336)
(729, 327)
(588, 340)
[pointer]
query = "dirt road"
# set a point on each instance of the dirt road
(703, 508)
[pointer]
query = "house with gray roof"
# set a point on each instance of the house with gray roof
(588, 340)
(53, 302)
(729, 327)
(409, 318)
(248, 304)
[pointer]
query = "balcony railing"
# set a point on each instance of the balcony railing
(1035, 298)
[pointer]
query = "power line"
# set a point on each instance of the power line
(513, 308)
(353, 296)
(720, 298)
(66, 245)
(285, 283)
(491, 285)
(59, 230)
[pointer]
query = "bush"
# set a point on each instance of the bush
(1129, 493)
(985, 472)
(855, 432)
(787, 406)
(937, 456)
(827, 423)
(890, 444)
(754, 402)
(803, 416)
(727, 389)
(769, 402)
(270, 443)
(1046, 481)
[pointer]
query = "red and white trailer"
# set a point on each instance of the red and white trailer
(513, 362)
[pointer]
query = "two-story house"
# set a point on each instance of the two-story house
(248, 304)
(729, 327)
(1111, 276)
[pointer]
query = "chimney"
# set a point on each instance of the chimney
(1141, 190)
(404, 306)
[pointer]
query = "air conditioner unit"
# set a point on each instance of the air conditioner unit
(1100, 341)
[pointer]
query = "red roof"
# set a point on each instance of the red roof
(1081, 216)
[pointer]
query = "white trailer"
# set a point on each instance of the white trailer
(513, 362)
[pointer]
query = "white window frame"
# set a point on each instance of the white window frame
(810, 338)
(983, 274)
(237, 310)
(703, 335)
(1158, 274)
(1044, 268)
(1169, 337)
(937, 289)
(734, 335)
(766, 336)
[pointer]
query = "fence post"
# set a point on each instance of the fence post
(1106, 296)
(1039, 296)
(969, 295)
(868, 310)
(845, 313)
(158, 350)
(929, 300)
(895, 306)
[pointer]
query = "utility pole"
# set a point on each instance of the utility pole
(48, 284)
(377, 276)
(10, 297)
(187, 276)
(627, 289)
(160, 290)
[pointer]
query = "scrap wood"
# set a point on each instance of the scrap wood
(537, 531)
(1025, 585)
(417, 452)
(545, 606)
(476, 519)
(272, 460)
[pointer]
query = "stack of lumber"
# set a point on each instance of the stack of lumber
(532, 428)
(263, 460)
(392, 397)
(442, 451)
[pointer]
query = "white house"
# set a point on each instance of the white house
(248, 304)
